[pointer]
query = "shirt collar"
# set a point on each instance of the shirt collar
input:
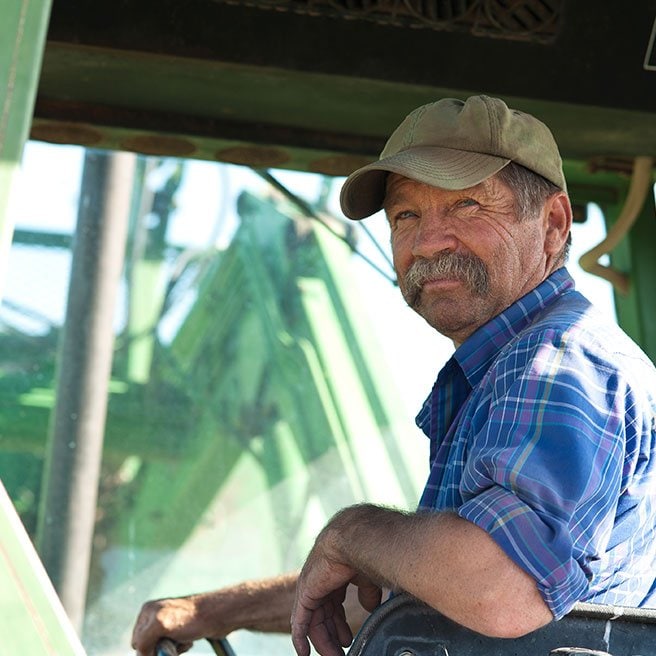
(476, 354)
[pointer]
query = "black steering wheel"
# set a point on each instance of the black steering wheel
(221, 647)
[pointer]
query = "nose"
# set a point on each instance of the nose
(433, 234)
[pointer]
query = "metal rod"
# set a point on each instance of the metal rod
(76, 432)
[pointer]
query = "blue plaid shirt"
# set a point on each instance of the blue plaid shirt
(542, 432)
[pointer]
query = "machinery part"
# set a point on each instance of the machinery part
(404, 625)
(641, 185)
(167, 647)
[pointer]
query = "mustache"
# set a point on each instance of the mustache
(455, 266)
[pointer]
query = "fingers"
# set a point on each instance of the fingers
(166, 647)
(343, 632)
(300, 640)
(147, 630)
(164, 618)
(369, 595)
(325, 627)
(318, 614)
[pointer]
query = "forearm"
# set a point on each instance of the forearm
(446, 561)
(263, 605)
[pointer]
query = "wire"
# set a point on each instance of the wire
(379, 248)
(309, 211)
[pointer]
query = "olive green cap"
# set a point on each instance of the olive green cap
(455, 144)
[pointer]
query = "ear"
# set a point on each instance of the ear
(558, 219)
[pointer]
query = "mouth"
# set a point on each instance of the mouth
(436, 283)
(444, 274)
(434, 287)
(441, 284)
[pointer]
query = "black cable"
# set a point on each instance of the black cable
(307, 209)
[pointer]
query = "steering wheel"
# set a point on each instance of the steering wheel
(221, 647)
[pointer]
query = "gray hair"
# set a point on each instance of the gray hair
(531, 191)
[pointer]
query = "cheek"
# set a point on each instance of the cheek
(515, 262)
(401, 253)
(504, 263)
(530, 248)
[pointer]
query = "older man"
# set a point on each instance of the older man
(542, 482)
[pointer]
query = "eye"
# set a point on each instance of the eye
(396, 217)
(405, 214)
(466, 202)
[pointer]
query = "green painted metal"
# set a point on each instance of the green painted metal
(273, 117)
(292, 416)
(270, 403)
(32, 620)
(25, 409)
(635, 257)
(22, 40)
(178, 81)
(147, 287)
(145, 270)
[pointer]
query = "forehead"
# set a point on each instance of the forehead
(492, 192)
(397, 184)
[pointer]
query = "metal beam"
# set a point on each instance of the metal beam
(222, 83)
(24, 27)
(600, 45)
(77, 427)
(33, 620)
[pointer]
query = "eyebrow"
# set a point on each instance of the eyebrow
(399, 196)
(389, 204)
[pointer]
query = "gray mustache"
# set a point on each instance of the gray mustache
(459, 266)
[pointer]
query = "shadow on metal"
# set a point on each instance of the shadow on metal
(404, 626)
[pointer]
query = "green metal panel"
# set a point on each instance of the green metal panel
(608, 187)
(32, 620)
(22, 40)
(222, 82)
(288, 400)
(635, 256)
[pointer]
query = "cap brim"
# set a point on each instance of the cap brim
(364, 190)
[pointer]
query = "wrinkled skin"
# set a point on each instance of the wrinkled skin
(477, 223)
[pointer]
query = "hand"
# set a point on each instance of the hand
(318, 612)
(166, 618)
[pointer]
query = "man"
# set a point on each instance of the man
(542, 483)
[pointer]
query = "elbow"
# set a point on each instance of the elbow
(512, 627)
(501, 620)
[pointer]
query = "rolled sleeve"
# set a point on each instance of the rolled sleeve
(542, 434)
(545, 552)
(544, 471)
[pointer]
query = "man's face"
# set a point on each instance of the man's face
(464, 256)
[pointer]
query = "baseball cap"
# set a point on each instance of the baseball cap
(455, 144)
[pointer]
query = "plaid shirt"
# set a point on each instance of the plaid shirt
(542, 432)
